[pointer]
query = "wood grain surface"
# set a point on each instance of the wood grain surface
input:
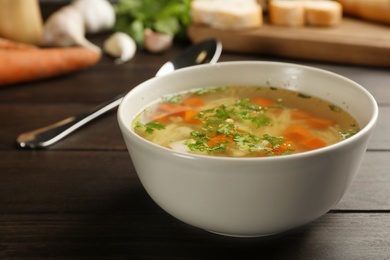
(82, 199)
(352, 42)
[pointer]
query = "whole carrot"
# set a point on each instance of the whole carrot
(17, 65)
(8, 44)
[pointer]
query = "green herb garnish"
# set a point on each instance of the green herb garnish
(164, 16)
(219, 129)
(208, 90)
(351, 132)
(176, 99)
(150, 127)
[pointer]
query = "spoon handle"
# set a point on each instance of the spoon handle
(207, 51)
(48, 135)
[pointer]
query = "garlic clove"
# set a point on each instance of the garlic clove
(59, 24)
(65, 28)
(99, 15)
(121, 46)
(157, 42)
(82, 41)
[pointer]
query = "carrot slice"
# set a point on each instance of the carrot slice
(319, 122)
(263, 102)
(284, 147)
(313, 143)
(219, 139)
(193, 102)
(172, 109)
(159, 117)
(296, 133)
(299, 114)
(190, 117)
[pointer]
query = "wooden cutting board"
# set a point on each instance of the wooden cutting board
(352, 42)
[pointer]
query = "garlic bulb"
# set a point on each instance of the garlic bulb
(157, 42)
(99, 15)
(64, 28)
(120, 46)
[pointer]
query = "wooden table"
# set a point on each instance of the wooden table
(82, 198)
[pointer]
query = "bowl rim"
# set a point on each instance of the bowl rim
(363, 131)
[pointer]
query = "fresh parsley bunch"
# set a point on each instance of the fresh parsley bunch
(163, 16)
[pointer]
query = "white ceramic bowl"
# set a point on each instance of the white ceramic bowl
(249, 196)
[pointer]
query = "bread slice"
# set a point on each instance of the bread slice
(323, 13)
(227, 14)
(305, 12)
(286, 12)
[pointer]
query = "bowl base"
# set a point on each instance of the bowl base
(242, 236)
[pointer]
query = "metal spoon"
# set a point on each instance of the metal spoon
(207, 51)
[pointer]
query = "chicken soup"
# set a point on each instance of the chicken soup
(244, 121)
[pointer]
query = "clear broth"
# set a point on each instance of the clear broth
(244, 121)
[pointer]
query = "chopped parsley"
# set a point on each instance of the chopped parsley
(351, 132)
(176, 99)
(150, 127)
(208, 90)
(219, 130)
